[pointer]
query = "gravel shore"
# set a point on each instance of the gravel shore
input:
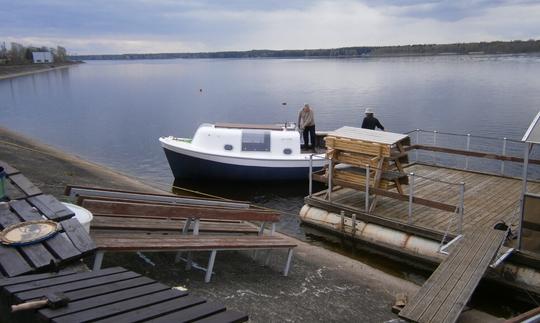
(322, 286)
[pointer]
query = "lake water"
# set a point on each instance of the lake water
(112, 112)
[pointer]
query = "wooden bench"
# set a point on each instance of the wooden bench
(162, 223)
(125, 242)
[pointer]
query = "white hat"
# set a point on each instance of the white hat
(369, 110)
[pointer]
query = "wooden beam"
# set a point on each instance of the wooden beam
(172, 211)
(471, 153)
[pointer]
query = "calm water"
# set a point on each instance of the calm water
(112, 112)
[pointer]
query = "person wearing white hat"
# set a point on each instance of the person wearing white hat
(306, 123)
(370, 122)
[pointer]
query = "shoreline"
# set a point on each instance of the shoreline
(322, 285)
(32, 69)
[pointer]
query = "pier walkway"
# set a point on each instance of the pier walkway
(444, 295)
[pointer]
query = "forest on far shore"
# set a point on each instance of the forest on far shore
(495, 47)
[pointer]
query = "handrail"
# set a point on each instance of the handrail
(463, 135)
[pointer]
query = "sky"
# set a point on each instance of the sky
(154, 26)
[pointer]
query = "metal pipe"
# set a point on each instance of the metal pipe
(504, 154)
(411, 194)
(330, 171)
(310, 175)
(523, 191)
(417, 142)
(468, 148)
(461, 206)
(367, 188)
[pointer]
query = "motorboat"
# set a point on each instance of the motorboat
(241, 152)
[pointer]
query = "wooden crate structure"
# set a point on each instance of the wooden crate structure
(352, 149)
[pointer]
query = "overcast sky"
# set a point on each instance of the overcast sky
(146, 26)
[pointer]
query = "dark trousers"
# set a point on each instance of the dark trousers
(309, 133)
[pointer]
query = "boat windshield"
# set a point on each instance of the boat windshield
(255, 140)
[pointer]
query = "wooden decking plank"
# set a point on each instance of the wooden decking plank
(75, 285)
(94, 304)
(59, 245)
(461, 272)
(12, 263)
(78, 236)
(24, 184)
(120, 307)
(156, 310)
(62, 279)
(428, 291)
(29, 278)
(225, 317)
(109, 288)
(49, 206)
(10, 170)
(464, 289)
(36, 254)
(191, 314)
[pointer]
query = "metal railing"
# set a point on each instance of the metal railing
(458, 209)
(503, 155)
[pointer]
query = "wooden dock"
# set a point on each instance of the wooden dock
(444, 295)
(488, 199)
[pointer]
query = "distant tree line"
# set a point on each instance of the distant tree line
(496, 47)
(19, 54)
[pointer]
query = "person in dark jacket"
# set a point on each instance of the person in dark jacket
(370, 122)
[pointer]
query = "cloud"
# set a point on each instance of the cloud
(139, 26)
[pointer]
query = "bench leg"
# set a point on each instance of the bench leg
(267, 259)
(185, 230)
(273, 229)
(98, 260)
(288, 263)
(261, 232)
(210, 267)
(189, 260)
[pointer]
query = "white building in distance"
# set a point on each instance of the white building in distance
(42, 57)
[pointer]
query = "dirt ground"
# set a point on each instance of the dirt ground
(322, 286)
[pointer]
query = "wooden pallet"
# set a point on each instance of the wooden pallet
(444, 295)
(110, 295)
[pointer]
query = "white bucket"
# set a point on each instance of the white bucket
(81, 214)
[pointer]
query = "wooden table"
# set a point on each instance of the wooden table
(28, 203)
(109, 295)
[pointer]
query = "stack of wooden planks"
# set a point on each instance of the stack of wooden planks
(352, 150)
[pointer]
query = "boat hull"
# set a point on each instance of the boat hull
(185, 166)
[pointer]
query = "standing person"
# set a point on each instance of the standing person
(306, 123)
(370, 122)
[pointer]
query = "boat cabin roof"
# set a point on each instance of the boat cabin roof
(381, 137)
(248, 126)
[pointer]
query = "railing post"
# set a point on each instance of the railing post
(468, 148)
(434, 145)
(417, 142)
(461, 206)
(411, 195)
(310, 175)
(367, 188)
(504, 154)
(330, 171)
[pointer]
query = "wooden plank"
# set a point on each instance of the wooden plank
(24, 184)
(191, 314)
(383, 137)
(37, 255)
(75, 285)
(29, 278)
(61, 280)
(12, 262)
(96, 302)
(226, 317)
(189, 242)
(49, 206)
(78, 236)
(104, 207)
(8, 168)
(156, 310)
(120, 307)
(355, 146)
(59, 246)
(447, 291)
